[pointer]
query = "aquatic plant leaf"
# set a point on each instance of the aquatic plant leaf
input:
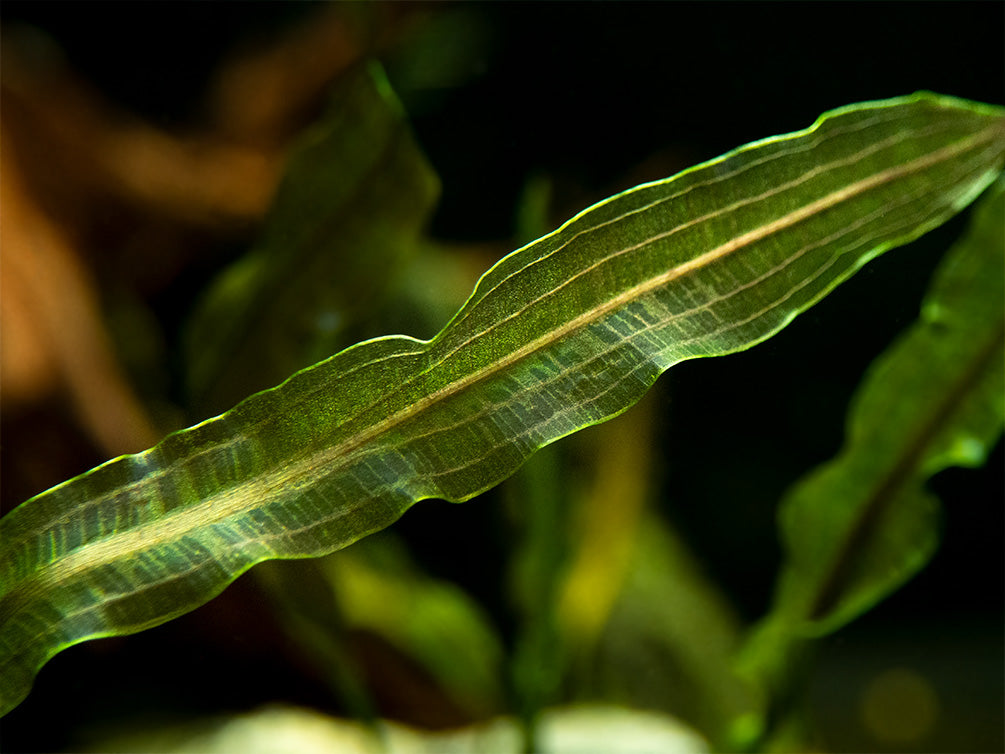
(563, 333)
(670, 615)
(861, 525)
(434, 623)
(350, 210)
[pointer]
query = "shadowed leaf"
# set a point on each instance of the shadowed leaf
(349, 212)
(864, 523)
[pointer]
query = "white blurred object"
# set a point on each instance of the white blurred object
(285, 730)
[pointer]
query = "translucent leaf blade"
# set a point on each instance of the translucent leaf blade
(566, 332)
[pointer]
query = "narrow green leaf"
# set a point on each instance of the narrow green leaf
(669, 615)
(566, 332)
(911, 422)
(539, 491)
(861, 525)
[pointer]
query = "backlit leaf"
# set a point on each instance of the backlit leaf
(563, 333)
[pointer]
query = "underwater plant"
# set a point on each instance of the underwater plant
(567, 332)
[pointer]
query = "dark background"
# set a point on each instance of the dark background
(600, 96)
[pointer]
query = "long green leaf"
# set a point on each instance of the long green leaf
(861, 525)
(563, 333)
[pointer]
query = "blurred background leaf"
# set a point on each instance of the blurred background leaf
(354, 199)
(858, 527)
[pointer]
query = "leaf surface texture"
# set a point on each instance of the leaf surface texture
(563, 333)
